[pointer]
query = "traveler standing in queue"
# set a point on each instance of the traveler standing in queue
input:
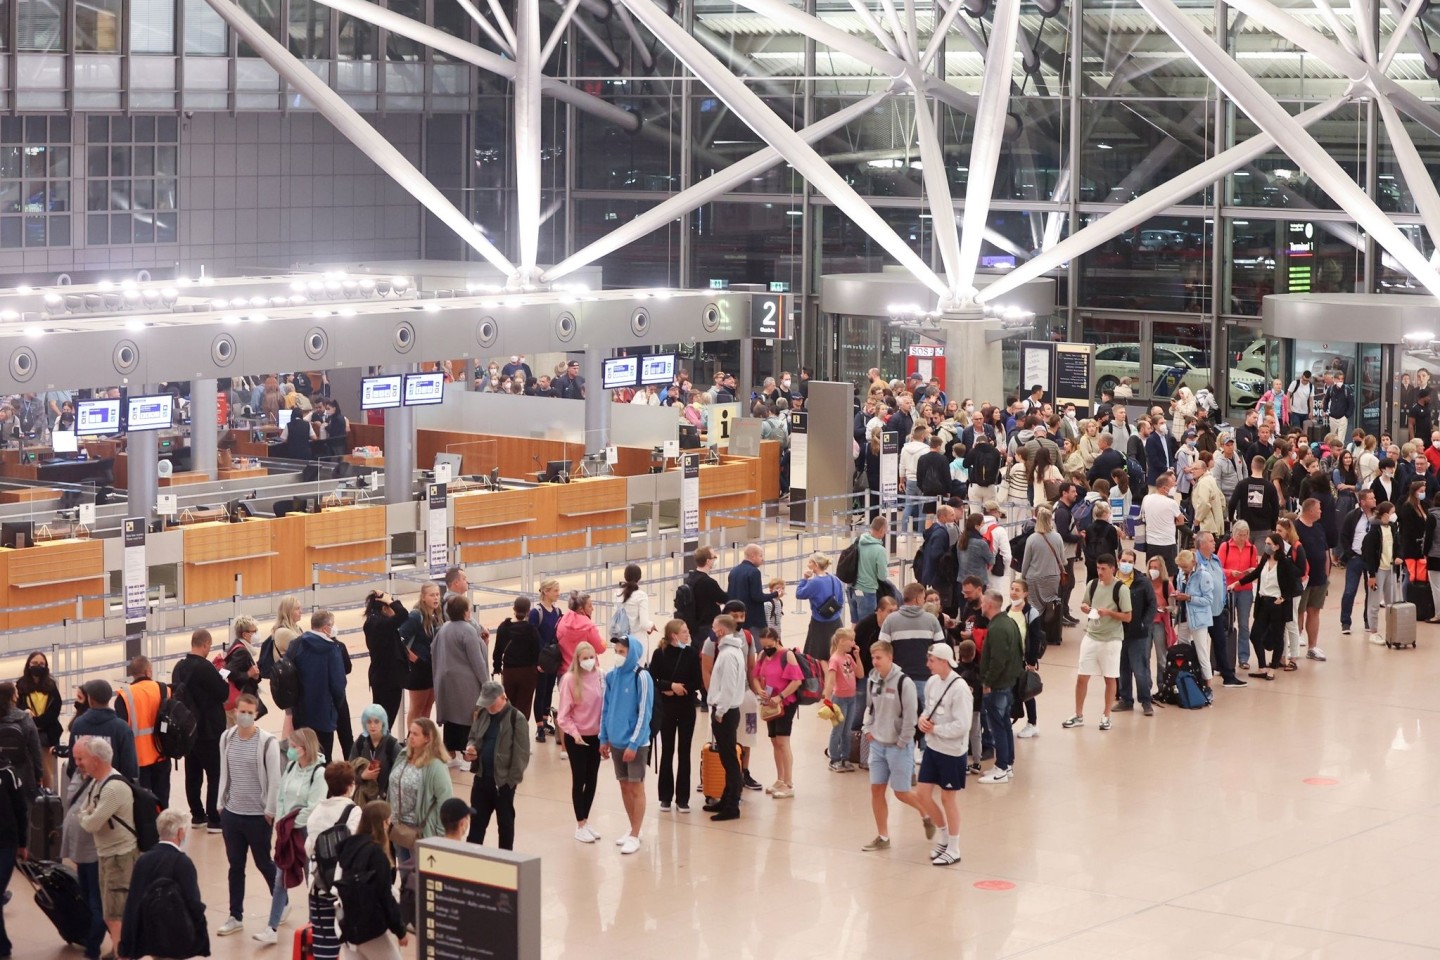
(576, 626)
(78, 846)
(727, 687)
(873, 561)
(95, 718)
(498, 750)
(285, 629)
(462, 667)
(582, 694)
(107, 812)
(632, 598)
(1002, 662)
(826, 595)
(1277, 582)
(14, 836)
(775, 681)
(1040, 568)
(675, 667)
(841, 669)
(371, 924)
(545, 616)
(40, 697)
(242, 660)
(890, 727)
(24, 731)
(336, 810)
(418, 632)
(139, 705)
(625, 731)
(379, 751)
(946, 725)
(321, 667)
(301, 788)
(249, 781)
(419, 784)
(389, 665)
(148, 928)
(517, 657)
(199, 684)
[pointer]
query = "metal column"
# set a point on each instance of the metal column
(399, 448)
(204, 440)
(143, 483)
(597, 401)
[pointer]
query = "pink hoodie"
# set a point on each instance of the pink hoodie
(572, 630)
(581, 719)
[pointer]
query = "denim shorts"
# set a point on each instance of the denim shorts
(892, 763)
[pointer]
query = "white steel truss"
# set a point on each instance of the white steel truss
(898, 47)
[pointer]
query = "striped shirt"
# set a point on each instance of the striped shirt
(242, 769)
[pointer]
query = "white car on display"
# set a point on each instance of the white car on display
(1172, 365)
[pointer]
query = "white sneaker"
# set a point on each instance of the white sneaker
(664, 808)
(268, 935)
(631, 845)
(583, 835)
(1315, 653)
(997, 775)
(620, 840)
(590, 830)
(1376, 639)
(231, 925)
(1028, 731)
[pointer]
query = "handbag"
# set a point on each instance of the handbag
(830, 607)
(403, 835)
(1029, 686)
(549, 659)
(769, 712)
(1067, 578)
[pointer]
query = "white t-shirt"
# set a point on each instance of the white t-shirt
(1158, 513)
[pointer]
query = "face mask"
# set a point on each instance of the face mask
(1127, 568)
(587, 664)
(1154, 574)
(292, 754)
(684, 646)
(770, 651)
(244, 720)
(38, 670)
(969, 408)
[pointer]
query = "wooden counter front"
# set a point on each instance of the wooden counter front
(28, 494)
(215, 552)
(564, 508)
(51, 571)
(242, 473)
(183, 478)
(344, 535)
(728, 487)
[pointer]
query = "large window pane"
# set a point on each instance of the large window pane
(42, 26)
(97, 26)
(204, 30)
(152, 26)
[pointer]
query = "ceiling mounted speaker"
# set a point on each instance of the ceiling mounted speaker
(710, 318)
(640, 322)
(566, 326)
(22, 364)
(126, 357)
(317, 343)
(222, 351)
(403, 339)
(486, 331)
(165, 469)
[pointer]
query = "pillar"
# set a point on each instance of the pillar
(204, 431)
(597, 402)
(399, 447)
(746, 384)
(973, 361)
(142, 471)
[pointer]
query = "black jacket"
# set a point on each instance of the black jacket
(867, 631)
(1347, 534)
(199, 685)
(1370, 549)
(14, 812)
(1106, 463)
(388, 664)
(164, 861)
(364, 881)
(364, 749)
(1243, 503)
(709, 599)
(671, 664)
(932, 473)
(1338, 403)
(984, 463)
(1142, 607)
(747, 586)
(1411, 543)
(1100, 539)
(1288, 576)
(517, 644)
(297, 440)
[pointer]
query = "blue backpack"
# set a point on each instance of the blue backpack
(1189, 694)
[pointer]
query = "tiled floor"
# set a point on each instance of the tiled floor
(1187, 835)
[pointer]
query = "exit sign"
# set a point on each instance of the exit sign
(779, 286)
(718, 284)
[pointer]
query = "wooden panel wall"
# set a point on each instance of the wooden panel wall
(216, 552)
(57, 570)
(344, 535)
(483, 518)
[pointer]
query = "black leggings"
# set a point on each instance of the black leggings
(1267, 631)
(584, 772)
(677, 715)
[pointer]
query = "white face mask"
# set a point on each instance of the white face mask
(587, 664)
(1154, 574)
(245, 720)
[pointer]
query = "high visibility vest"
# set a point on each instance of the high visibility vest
(142, 708)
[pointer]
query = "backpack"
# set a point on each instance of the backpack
(285, 681)
(327, 854)
(13, 753)
(168, 928)
(266, 663)
(619, 622)
(1189, 694)
(1081, 514)
(685, 602)
(1182, 668)
(174, 726)
(1114, 595)
(1017, 545)
(812, 687)
(916, 565)
(145, 829)
(847, 567)
(934, 480)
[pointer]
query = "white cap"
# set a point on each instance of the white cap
(942, 651)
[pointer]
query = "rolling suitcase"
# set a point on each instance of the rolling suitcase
(57, 894)
(304, 943)
(712, 772)
(859, 750)
(47, 815)
(1400, 625)
(1418, 593)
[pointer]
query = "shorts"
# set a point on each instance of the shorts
(1314, 596)
(943, 770)
(420, 677)
(892, 763)
(115, 874)
(749, 729)
(782, 725)
(634, 771)
(1099, 658)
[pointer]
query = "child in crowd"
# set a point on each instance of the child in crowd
(970, 673)
(775, 609)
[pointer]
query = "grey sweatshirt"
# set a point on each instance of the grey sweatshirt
(890, 715)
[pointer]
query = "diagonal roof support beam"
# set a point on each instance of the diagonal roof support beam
(354, 128)
(1343, 36)
(1412, 167)
(863, 10)
(1151, 203)
(1301, 147)
(528, 63)
(1402, 29)
(744, 103)
(937, 189)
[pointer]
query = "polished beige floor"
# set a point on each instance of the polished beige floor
(1187, 835)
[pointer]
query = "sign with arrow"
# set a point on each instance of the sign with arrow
(477, 902)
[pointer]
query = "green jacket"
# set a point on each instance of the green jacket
(512, 745)
(1003, 658)
(873, 563)
(434, 790)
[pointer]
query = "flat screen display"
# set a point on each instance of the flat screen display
(282, 418)
(63, 441)
(424, 389)
(149, 413)
(379, 393)
(94, 418)
(620, 372)
(657, 370)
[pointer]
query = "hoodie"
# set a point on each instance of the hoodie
(890, 715)
(322, 681)
(911, 631)
(103, 722)
(629, 699)
(573, 629)
(727, 678)
(873, 562)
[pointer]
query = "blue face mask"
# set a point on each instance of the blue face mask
(1127, 568)
(292, 754)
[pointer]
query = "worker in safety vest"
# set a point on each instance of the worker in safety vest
(139, 706)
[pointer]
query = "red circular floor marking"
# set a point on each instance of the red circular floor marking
(1320, 781)
(994, 885)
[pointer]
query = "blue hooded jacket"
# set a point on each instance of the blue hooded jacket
(629, 700)
(322, 681)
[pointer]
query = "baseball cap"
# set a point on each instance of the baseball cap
(992, 506)
(454, 810)
(942, 651)
(1190, 434)
(98, 691)
(489, 693)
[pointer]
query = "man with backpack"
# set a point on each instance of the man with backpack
(94, 718)
(205, 692)
(108, 813)
(1107, 607)
(164, 913)
(139, 705)
(1072, 519)
(984, 463)
(699, 597)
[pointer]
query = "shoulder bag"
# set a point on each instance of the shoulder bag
(403, 835)
(1067, 578)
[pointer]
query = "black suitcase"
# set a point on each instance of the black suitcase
(1418, 593)
(57, 894)
(47, 815)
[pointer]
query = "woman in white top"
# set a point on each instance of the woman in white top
(1182, 410)
(1367, 464)
(1017, 483)
(635, 601)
